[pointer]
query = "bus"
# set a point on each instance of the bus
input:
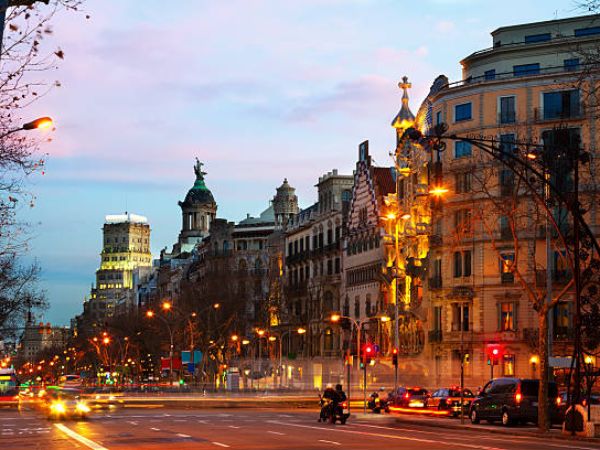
(9, 387)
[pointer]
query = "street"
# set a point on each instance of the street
(159, 428)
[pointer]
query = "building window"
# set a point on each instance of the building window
(507, 261)
(526, 69)
(462, 220)
(462, 149)
(507, 182)
(561, 105)
(467, 263)
(490, 74)
(462, 182)
(505, 229)
(562, 320)
(368, 305)
(507, 316)
(462, 112)
(507, 145)
(357, 306)
(571, 64)
(580, 32)
(507, 113)
(337, 265)
(457, 264)
(508, 365)
(328, 302)
(460, 317)
(437, 318)
(438, 117)
(532, 38)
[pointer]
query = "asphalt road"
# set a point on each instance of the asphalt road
(258, 429)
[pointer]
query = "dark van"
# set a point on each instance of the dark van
(512, 400)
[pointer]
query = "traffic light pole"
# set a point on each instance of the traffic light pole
(365, 382)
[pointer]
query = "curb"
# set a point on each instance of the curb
(504, 431)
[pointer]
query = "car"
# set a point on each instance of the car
(448, 399)
(104, 398)
(65, 404)
(408, 397)
(512, 400)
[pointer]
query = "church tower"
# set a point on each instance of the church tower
(198, 210)
(285, 204)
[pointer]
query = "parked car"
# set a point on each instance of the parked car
(408, 397)
(448, 399)
(512, 400)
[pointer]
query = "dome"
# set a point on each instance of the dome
(199, 194)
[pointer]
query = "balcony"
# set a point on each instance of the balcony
(573, 112)
(507, 278)
(435, 336)
(436, 240)
(558, 277)
(507, 117)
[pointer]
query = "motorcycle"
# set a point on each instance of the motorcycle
(377, 404)
(341, 412)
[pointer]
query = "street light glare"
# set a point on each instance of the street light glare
(167, 306)
(234, 338)
(405, 216)
(272, 338)
(149, 313)
(438, 191)
(42, 123)
(385, 319)
(301, 330)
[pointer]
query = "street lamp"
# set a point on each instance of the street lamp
(40, 123)
(336, 317)
(150, 314)
(274, 336)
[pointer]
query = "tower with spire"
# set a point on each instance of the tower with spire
(405, 118)
(285, 204)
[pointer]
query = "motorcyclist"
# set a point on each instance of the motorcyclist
(340, 392)
(329, 401)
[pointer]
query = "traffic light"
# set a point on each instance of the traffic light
(494, 353)
(368, 352)
(395, 357)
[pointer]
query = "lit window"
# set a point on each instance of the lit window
(507, 316)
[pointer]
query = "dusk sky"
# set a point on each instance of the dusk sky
(258, 90)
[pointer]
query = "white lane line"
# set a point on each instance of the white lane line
(79, 438)
(233, 426)
(202, 421)
(181, 435)
(221, 444)
(388, 436)
(524, 439)
(329, 442)
(155, 429)
(131, 422)
(277, 433)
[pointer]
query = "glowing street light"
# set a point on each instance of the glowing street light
(335, 317)
(301, 330)
(42, 123)
(167, 306)
(234, 338)
(438, 191)
(150, 313)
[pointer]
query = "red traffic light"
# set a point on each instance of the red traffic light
(495, 352)
(395, 351)
(368, 349)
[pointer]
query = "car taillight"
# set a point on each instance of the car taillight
(518, 397)
(344, 405)
(407, 395)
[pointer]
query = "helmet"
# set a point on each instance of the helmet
(338, 387)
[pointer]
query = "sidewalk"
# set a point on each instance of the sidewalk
(454, 424)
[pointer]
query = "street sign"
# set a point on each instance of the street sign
(186, 357)
(197, 357)
(190, 367)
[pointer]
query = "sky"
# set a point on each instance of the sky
(259, 90)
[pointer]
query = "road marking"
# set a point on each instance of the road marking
(233, 426)
(389, 436)
(202, 421)
(221, 444)
(187, 436)
(329, 442)
(132, 422)
(155, 429)
(79, 438)
(276, 432)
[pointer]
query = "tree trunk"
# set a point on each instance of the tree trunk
(543, 409)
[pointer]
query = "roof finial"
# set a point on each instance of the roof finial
(405, 118)
(198, 170)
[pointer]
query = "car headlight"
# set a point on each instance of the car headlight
(82, 407)
(58, 407)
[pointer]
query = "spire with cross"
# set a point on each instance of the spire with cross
(405, 117)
